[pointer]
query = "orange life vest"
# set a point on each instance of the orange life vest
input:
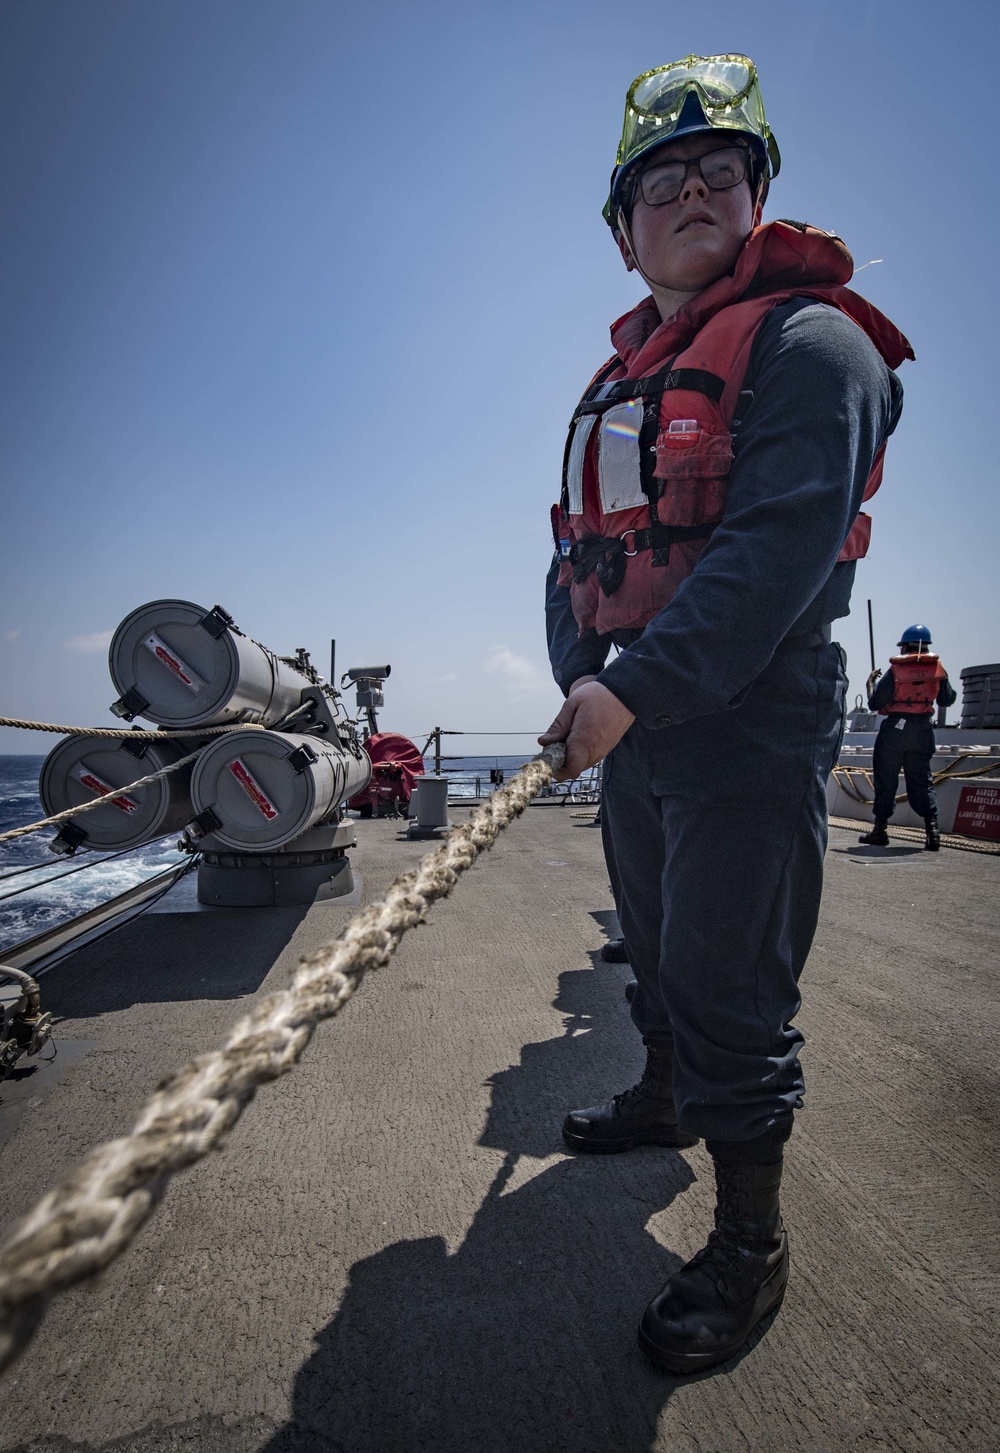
(916, 681)
(649, 451)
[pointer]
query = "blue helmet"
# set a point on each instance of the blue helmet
(916, 636)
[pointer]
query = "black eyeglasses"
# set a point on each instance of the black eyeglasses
(719, 170)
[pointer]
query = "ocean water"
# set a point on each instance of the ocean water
(39, 890)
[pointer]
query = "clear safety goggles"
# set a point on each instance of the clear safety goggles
(726, 86)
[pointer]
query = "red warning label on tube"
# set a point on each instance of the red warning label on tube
(253, 789)
(173, 662)
(104, 789)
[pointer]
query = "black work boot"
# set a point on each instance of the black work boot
(877, 837)
(644, 1115)
(932, 840)
(630, 989)
(615, 952)
(708, 1309)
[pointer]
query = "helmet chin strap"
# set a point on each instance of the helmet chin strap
(623, 227)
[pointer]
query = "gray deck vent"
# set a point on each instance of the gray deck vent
(981, 698)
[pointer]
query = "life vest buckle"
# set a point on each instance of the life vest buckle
(629, 552)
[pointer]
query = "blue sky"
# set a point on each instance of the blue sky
(298, 298)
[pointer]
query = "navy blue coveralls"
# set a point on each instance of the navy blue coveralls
(905, 743)
(714, 813)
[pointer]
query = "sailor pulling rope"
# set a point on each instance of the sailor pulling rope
(91, 1214)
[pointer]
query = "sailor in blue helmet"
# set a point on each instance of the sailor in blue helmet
(906, 696)
(708, 529)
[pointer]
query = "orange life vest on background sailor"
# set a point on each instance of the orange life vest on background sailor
(906, 696)
(916, 683)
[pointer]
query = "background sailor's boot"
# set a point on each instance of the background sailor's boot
(708, 1309)
(644, 1115)
(877, 837)
(932, 841)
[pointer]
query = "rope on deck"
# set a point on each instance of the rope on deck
(845, 775)
(916, 835)
(91, 1214)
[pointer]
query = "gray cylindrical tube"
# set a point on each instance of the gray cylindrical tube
(80, 769)
(266, 788)
(432, 801)
(180, 665)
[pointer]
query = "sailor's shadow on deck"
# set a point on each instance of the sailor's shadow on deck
(150, 961)
(607, 919)
(523, 1338)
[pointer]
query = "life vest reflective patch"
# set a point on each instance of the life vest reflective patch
(579, 439)
(916, 683)
(619, 473)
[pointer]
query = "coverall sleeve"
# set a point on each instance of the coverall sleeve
(947, 695)
(823, 402)
(570, 654)
(885, 690)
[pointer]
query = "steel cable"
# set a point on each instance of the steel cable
(81, 867)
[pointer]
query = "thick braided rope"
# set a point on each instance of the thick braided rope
(69, 812)
(844, 777)
(916, 835)
(167, 736)
(91, 1214)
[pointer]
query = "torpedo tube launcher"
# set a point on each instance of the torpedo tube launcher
(180, 665)
(264, 804)
(266, 788)
(80, 768)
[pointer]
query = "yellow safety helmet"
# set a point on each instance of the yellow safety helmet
(699, 93)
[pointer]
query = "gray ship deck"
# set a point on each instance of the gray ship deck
(395, 1253)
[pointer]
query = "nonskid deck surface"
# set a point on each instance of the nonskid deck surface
(396, 1253)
